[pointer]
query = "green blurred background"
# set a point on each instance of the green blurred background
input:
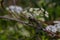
(12, 30)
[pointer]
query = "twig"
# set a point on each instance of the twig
(15, 20)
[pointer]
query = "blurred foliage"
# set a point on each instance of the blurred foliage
(12, 30)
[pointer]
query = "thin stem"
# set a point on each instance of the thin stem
(22, 22)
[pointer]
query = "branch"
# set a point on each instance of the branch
(2, 4)
(22, 22)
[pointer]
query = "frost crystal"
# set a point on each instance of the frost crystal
(54, 28)
(42, 9)
(58, 27)
(51, 28)
(14, 9)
